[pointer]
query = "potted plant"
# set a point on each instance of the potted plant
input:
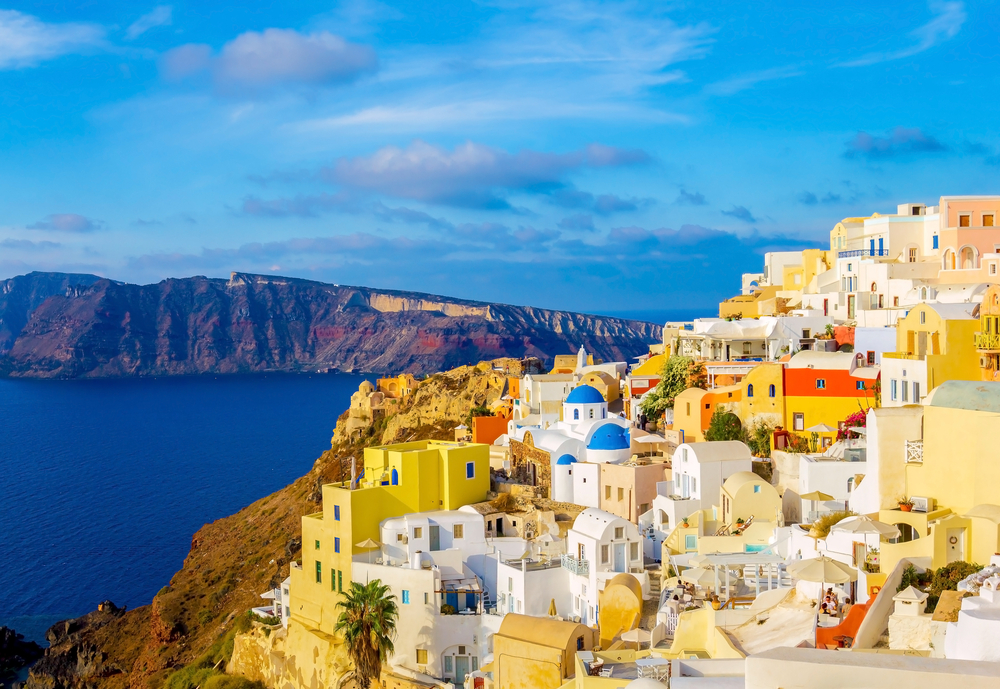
(905, 504)
(685, 523)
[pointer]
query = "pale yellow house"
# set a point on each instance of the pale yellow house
(537, 653)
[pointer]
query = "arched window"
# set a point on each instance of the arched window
(750, 390)
(968, 258)
(604, 413)
(770, 391)
(874, 287)
(576, 414)
(395, 478)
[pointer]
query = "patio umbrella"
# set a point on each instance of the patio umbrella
(552, 608)
(866, 525)
(816, 496)
(821, 428)
(823, 570)
(636, 636)
(368, 544)
(699, 576)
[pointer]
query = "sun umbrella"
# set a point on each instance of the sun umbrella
(699, 576)
(636, 636)
(866, 525)
(816, 495)
(821, 428)
(823, 570)
(651, 438)
(368, 544)
(552, 608)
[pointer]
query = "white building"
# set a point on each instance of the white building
(279, 603)
(699, 469)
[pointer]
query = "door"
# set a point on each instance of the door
(451, 598)
(435, 537)
(850, 306)
(880, 239)
(461, 669)
(956, 545)
(621, 564)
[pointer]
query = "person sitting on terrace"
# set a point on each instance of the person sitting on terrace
(846, 608)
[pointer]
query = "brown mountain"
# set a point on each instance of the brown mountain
(67, 326)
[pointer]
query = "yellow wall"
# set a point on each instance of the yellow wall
(693, 409)
(762, 405)
(762, 505)
(817, 410)
(432, 476)
(951, 350)
(620, 607)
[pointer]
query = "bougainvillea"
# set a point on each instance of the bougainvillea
(855, 420)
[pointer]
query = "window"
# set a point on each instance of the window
(470, 470)
(510, 584)
(806, 333)
(576, 414)
(421, 656)
(579, 643)
(798, 421)
(750, 390)
(621, 494)
(987, 220)
(427, 598)
(895, 301)
(871, 358)
(826, 307)
(591, 413)
(333, 579)
(406, 597)
(418, 532)
(746, 348)
(604, 554)
(860, 385)
(913, 255)
(619, 532)
(893, 387)
(607, 492)
(756, 489)
(633, 551)
(399, 537)
(317, 545)
(319, 572)
(336, 545)
(821, 383)
(690, 542)
(906, 391)
(916, 391)
(459, 531)
(336, 513)
(770, 391)
(694, 484)
(850, 267)
(923, 317)
(708, 406)
(934, 241)
(340, 580)
(964, 220)
(447, 664)
(689, 409)
(993, 268)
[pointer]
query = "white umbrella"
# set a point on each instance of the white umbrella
(699, 576)
(652, 438)
(636, 636)
(821, 428)
(823, 570)
(368, 544)
(865, 525)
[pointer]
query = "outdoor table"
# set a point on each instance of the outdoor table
(652, 668)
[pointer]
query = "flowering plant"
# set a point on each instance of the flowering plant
(855, 420)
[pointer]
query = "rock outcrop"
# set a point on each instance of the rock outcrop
(16, 653)
(59, 326)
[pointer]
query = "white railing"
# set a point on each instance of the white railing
(574, 565)
(914, 451)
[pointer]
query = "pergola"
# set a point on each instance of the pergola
(728, 561)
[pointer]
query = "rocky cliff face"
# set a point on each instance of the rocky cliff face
(59, 326)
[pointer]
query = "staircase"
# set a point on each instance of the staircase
(649, 607)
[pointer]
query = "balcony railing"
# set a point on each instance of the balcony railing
(914, 451)
(863, 252)
(988, 342)
(581, 567)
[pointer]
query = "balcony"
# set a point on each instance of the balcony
(914, 451)
(863, 252)
(988, 342)
(581, 567)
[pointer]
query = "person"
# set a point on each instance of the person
(824, 610)
(833, 596)
(846, 609)
(674, 604)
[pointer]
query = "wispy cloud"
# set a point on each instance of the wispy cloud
(602, 204)
(579, 222)
(728, 87)
(26, 41)
(28, 245)
(740, 213)
(161, 15)
(688, 198)
(472, 175)
(304, 206)
(947, 22)
(900, 142)
(274, 57)
(66, 222)
(808, 198)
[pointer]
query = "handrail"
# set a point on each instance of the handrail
(863, 252)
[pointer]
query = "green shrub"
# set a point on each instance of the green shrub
(910, 578)
(724, 425)
(205, 616)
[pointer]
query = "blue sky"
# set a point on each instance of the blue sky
(589, 156)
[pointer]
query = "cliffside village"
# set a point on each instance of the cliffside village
(817, 504)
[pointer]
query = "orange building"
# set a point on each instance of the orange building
(486, 429)
(694, 407)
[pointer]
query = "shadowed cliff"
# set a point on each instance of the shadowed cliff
(63, 326)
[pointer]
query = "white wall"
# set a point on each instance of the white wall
(877, 340)
(905, 372)
(587, 484)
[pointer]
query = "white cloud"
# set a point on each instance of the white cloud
(26, 41)
(948, 21)
(162, 15)
(66, 222)
(727, 87)
(273, 57)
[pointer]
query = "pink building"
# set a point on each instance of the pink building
(627, 490)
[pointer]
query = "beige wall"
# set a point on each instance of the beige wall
(638, 487)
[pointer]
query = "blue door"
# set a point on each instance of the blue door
(451, 598)
(880, 246)
(872, 245)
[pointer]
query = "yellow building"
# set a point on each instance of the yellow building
(954, 464)
(758, 303)
(537, 653)
(988, 337)
(763, 395)
(604, 383)
(397, 479)
(825, 388)
(694, 407)
(796, 277)
(397, 387)
(934, 343)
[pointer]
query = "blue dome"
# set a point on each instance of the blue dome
(610, 436)
(584, 394)
(566, 459)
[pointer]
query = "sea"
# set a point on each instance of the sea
(103, 482)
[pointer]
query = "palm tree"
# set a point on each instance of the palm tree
(368, 621)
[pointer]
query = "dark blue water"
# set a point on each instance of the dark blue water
(103, 483)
